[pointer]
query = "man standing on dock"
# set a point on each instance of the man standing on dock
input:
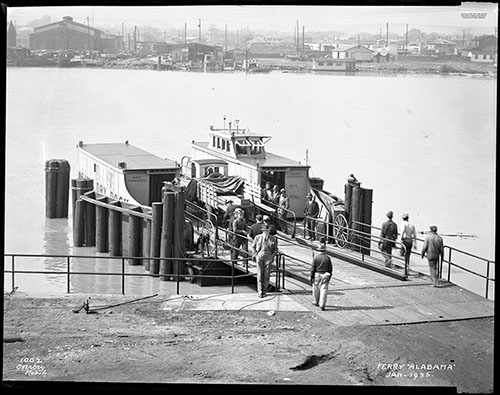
(389, 233)
(408, 238)
(434, 248)
(311, 211)
(264, 249)
(321, 272)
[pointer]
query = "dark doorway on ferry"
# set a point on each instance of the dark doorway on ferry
(155, 186)
(275, 177)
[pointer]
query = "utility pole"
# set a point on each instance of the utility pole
(387, 27)
(88, 33)
(135, 38)
(298, 37)
(199, 31)
(303, 35)
(406, 46)
(185, 32)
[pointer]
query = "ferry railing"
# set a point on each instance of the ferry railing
(450, 251)
(451, 263)
(68, 272)
(361, 243)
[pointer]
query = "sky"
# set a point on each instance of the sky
(279, 18)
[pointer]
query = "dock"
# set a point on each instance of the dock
(362, 290)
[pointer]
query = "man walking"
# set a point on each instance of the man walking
(264, 249)
(408, 238)
(321, 272)
(434, 249)
(389, 234)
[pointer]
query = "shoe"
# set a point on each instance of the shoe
(315, 304)
(260, 296)
(322, 309)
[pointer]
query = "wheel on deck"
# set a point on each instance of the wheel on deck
(341, 230)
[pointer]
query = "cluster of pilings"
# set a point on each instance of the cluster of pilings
(150, 236)
(358, 205)
(57, 174)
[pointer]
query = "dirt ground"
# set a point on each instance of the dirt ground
(140, 342)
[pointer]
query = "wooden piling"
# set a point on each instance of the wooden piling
(356, 208)
(78, 187)
(102, 244)
(179, 237)
(166, 250)
(134, 235)
(115, 230)
(62, 189)
(50, 188)
(156, 226)
(79, 225)
(90, 221)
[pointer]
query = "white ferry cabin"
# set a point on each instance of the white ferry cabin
(124, 172)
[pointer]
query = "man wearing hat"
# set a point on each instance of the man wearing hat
(408, 237)
(388, 234)
(283, 206)
(434, 249)
(321, 272)
(264, 249)
(311, 210)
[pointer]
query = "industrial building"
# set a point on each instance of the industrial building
(70, 35)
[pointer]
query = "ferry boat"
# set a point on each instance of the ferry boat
(232, 165)
(239, 157)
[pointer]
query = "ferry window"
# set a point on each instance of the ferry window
(329, 63)
(223, 144)
(218, 142)
(227, 146)
(256, 150)
(320, 63)
(213, 143)
(240, 150)
(95, 167)
(216, 169)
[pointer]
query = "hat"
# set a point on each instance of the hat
(309, 194)
(389, 214)
(258, 217)
(405, 216)
(433, 228)
(266, 218)
(265, 227)
(322, 247)
(282, 190)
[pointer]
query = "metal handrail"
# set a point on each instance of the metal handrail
(370, 236)
(454, 264)
(123, 274)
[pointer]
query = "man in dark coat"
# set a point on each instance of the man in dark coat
(311, 210)
(388, 233)
(434, 248)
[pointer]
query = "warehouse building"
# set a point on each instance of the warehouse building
(70, 35)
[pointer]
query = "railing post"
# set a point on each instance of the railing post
(13, 282)
(232, 277)
(283, 273)
(177, 275)
(449, 264)
(487, 278)
(123, 276)
(68, 275)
